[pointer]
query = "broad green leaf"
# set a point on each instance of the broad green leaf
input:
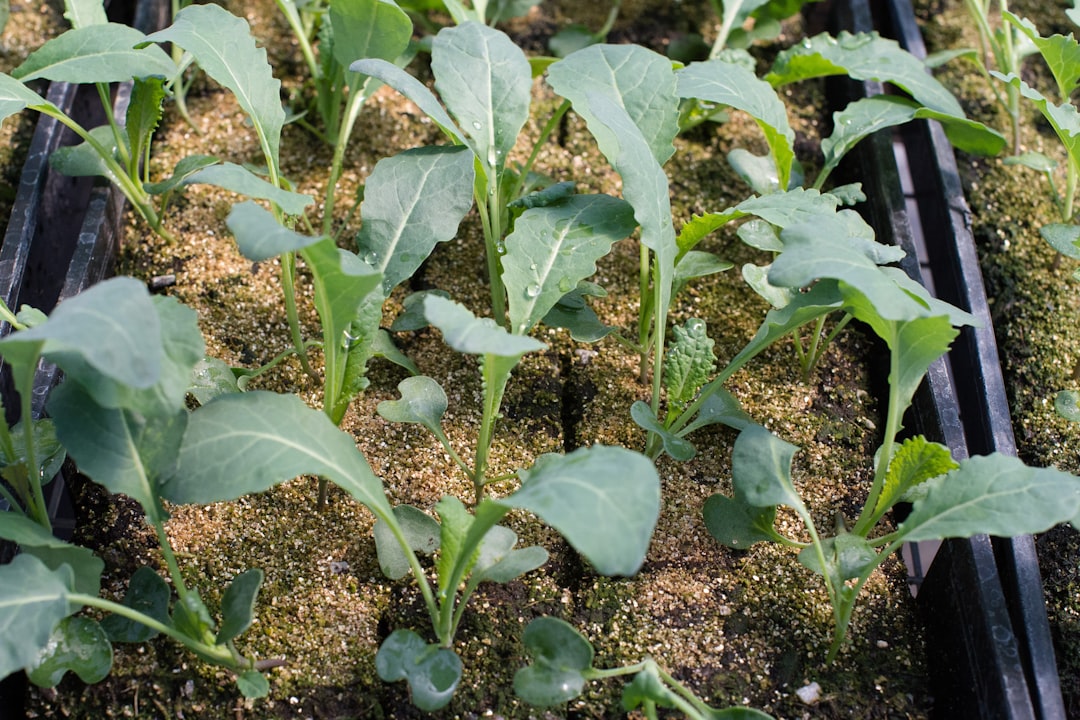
(54, 552)
(737, 524)
(369, 29)
(15, 97)
(210, 378)
(997, 495)
(864, 56)
(824, 250)
(238, 605)
(1064, 238)
(645, 186)
(239, 444)
(259, 235)
(144, 113)
(574, 314)
(552, 248)
(637, 79)
(77, 644)
(111, 328)
(433, 672)
(224, 48)
(760, 171)
(868, 115)
(83, 13)
(242, 181)
(486, 83)
(33, 599)
(412, 311)
(1063, 118)
(83, 160)
(677, 447)
(422, 401)
(412, 202)
(252, 684)
(184, 168)
(125, 451)
(96, 54)
(794, 207)
(916, 461)
(696, 264)
(761, 470)
(467, 333)
(1061, 53)
(729, 84)
(561, 656)
(499, 561)
(148, 593)
(1067, 405)
(758, 280)
(422, 534)
(592, 495)
(690, 361)
(414, 90)
(720, 406)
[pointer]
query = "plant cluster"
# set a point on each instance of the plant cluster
(122, 414)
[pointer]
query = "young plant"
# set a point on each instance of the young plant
(563, 663)
(120, 414)
(485, 81)
(996, 495)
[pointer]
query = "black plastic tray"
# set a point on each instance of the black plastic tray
(989, 644)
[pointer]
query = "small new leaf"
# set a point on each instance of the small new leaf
(690, 362)
(916, 461)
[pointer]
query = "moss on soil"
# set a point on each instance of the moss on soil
(740, 628)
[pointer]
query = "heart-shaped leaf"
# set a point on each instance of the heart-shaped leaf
(561, 659)
(422, 401)
(433, 672)
(77, 644)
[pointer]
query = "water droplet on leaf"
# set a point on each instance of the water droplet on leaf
(532, 291)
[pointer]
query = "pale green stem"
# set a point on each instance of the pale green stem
(494, 387)
(169, 555)
(893, 417)
(494, 240)
(352, 111)
(545, 133)
(300, 32)
(37, 508)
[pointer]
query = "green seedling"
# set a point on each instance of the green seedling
(563, 664)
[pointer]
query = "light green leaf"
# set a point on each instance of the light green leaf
(696, 264)
(498, 561)
(997, 495)
(1063, 118)
(561, 657)
(252, 684)
(96, 54)
(77, 644)
(1067, 405)
(54, 552)
(864, 56)
(369, 29)
(647, 687)
(412, 202)
(552, 248)
(761, 470)
(454, 525)
(422, 533)
(574, 314)
(758, 280)
(15, 97)
(916, 461)
(1061, 53)
(240, 180)
(83, 13)
(83, 160)
(592, 495)
(719, 407)
(422, 401)
(184, 168)
(637, 79)
(847, 556)
(225, 50)
(212, 377)
(486, 83)
(238, 605)
(239, 444)
(1064, 238)
(433, 672)
(414, 90)
(738, 524)
(467, 333)
(33, 599)
(729, 84)
(259, 235)
(144, 113)
(1033, 160)
(690, 361)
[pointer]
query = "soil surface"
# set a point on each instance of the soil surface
(739, 627)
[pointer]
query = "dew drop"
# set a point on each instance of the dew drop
(532, 291)
(371, 258)
(476, 125)
(564, 284)
(532, 266)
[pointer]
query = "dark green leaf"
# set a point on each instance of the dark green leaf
(847, 556)
(33, 599)
(761, 469)
(210, 378)
(77, 644)
(677, 447)
(238, 604)
(148, 593)
(422, 533)
(561, 656)
(184, 168)
(647, 687)
(737, 524)
(368, 29)
(252, 684)
(84, 160)
(433, 672)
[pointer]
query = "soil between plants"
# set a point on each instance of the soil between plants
(1034, 301)
(741, 628)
